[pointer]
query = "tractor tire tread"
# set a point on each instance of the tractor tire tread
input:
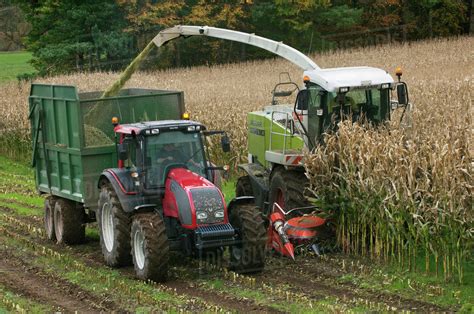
(248, 218)
(243, 187)
(157, 247)
(120, 255)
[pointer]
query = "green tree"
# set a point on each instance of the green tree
(432, 18)
(75, 35)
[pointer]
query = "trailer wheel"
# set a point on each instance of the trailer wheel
(49, 203)
(150, 249)
(287, 189)
(249, 255)
(243, 187)
(114, 228)
(69, 226)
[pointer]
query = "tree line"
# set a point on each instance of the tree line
(70, 35)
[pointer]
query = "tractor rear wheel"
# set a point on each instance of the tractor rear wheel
(69, 225)
(114, 228)
(287, 189)
(49, 203)
(150, 248)
(243, 187)
(249, 255)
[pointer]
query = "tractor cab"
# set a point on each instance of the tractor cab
(333, 95)
(150, 150)
(167, 186)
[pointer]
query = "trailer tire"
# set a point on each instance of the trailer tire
(150, 248)
(249, 255)
(287, 188)
(49, 203)
(114, 228)
(243, 187)
(69, 226)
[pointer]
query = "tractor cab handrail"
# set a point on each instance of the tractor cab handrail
(285, 135)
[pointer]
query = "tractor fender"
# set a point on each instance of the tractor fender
(259, 178)
(122, 184)
(238, 201)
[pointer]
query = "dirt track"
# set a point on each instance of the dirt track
(306, 281)
(32, 283)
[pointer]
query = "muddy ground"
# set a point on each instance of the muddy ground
(310, 282)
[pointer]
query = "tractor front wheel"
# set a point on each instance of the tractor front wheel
(114, 228)
(69, 225)
(150, 249)
(249, 255)
(243, 187)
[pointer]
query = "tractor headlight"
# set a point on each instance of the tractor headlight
(385, 85)
(219, 214)
(343, 89)
(201, 215)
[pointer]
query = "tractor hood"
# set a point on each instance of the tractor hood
(194, 200)
(334, 78)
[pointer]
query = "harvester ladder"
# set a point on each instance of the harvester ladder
(285, 134)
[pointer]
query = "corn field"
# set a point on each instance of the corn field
(397, 192)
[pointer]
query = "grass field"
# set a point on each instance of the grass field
(14, 63)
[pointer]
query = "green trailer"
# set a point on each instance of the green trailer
(73, 136)
(131, 163)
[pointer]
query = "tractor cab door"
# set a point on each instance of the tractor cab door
(309, 114)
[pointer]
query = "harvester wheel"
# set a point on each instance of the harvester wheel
(287, 189)
(150, 249)
(249, 255)
(243, 187)
(49, 203)
(69, 225)
(114, 228)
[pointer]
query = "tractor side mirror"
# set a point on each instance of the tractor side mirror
(225, 143)
(302, 100)
(122, 150)
(402, 94)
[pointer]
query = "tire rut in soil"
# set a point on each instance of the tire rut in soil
(305, 279)
(225, 300)
(93, 259)
(271, 276)
(30, 282)
(20, 203)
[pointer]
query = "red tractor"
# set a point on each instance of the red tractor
(163, 196)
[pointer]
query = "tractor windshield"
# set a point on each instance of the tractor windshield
(173, 149)
(322, 110)
(372, 104)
